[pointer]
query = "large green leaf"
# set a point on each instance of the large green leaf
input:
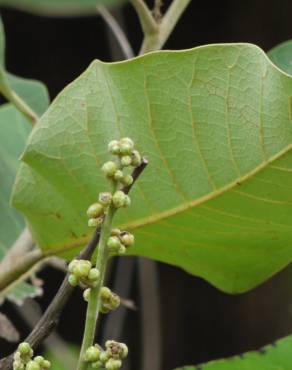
(59, 7)
(281, 55)
(277, 356)
(215, 123)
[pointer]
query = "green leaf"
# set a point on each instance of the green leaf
(215, 124)
(59, 7)
(281, 55)
(277, 356)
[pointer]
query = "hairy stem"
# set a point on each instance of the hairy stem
(94, 302)
(16, 100)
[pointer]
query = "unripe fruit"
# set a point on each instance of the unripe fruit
(94, 274)
(18, 365)
(24, 348)
(127, 201)
(127, 239)
(119, 199)
(72, 265)
(32, 365)
(126, 161)
(122, 250)
(127, 180)
(92, 354)
(113, 364)
(114, 301)
(95, 222)
(105, 198)
(97, 365)
(73, 280)
(118, 175)
(109, 168)
(86, 294)
(103, 309)
(128, 141)
(95, 210)
(136, 158)
(113, 244)
(114, 147)
(115, 232)
(82, 269)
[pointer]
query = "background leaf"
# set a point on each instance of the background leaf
(215, 125)
(281, 55)
(59, 7)
(277, 356)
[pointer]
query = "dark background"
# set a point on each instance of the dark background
(197, 322)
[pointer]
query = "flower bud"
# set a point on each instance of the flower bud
(105, 293)
(92, 354)
(126, 146)
(127, 239)
(119, 199)
(113, 364)
(115, 232)
(18, 365)
(46, 364)
(136, 158)
(105, 198)
(94, 274)
(116, 350)
(125, 350)
(86, 294)
(103, 357)
(127, 141)
(95, 222)
(32, 365)
(109, 168)
(95, 210)
(24, 348)
(114, 147)
(122, 250)
(103, 309)
(118, 175)
(73, 280)
(97, 365)
(127, 180)
(82, 269)
(72, 266)
(126, 161)
(113, 244)
(127, 201)
(39, 360)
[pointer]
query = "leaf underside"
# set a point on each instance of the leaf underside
(277, 356)
(281, 55)
(215, 124)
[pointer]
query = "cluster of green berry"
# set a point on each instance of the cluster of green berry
(109, 301)
(23, 359)
(115, 171)
(119, 241)
(82, 273)
(110, 359)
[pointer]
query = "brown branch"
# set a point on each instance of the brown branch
(50, 318)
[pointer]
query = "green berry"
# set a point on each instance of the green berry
(136, 158)
(24, 348)
(127, 239)
(118, 175)
(126, 146)
(103, 309)
(127, 141)
(73, 280)
(97, 365)
(103, 357)
(92, 354)
(94, 274)
(114, 147)
(109, 168)
(105, 198)
(32, 365)
(127, 180)
(119, 199)
(114, 301)
(113, 364)
(95, 222)
(39, 360)
(86, 294)
(18, 365)
(127, 201)
(46, 364)
(95, 210)
(126, 161)
(113, 244)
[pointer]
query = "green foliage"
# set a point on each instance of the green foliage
(215, 125)
(281, 55)
(277, 356)
(58, 7)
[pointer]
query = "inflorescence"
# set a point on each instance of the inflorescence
(82, 272)
(24, 360)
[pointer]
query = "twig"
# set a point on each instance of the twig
(148, 23)
(157, 10)
(117, 31)
(52, 314)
